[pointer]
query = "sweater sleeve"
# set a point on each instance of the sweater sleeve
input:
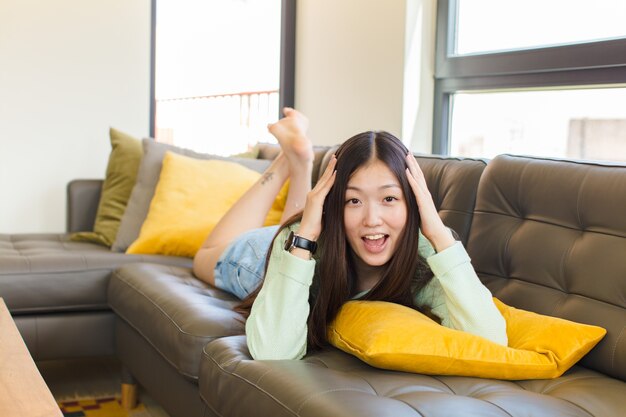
(457, 296)
(277, 325)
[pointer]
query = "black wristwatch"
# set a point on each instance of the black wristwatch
(295, 241)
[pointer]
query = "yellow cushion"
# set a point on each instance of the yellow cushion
(190, 198)
(391, 336)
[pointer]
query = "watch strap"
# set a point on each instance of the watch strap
(295, 241)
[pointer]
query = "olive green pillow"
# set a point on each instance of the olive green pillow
(120, 178)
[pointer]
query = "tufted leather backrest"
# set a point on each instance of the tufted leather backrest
(452, 182)
(550, 236)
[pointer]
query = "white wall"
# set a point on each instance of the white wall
(366, 65)
(69, 70)
(349, 66)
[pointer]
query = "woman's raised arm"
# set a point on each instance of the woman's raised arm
(277, 325)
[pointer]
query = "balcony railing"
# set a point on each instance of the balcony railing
(221, 124)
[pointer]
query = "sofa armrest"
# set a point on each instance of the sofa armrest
(83, 197)
(227, 351)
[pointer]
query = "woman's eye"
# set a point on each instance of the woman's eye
(390, 199)
(353, 201)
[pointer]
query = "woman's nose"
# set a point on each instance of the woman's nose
(372, 216)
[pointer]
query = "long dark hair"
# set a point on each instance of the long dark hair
(335, 278)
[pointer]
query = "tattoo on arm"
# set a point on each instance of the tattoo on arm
(267, 177)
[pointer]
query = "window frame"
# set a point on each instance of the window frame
(587, 64)
(286, 84)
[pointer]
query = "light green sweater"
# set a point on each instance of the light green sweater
(277, 326)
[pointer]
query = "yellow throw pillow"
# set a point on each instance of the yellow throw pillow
(391, 336)
(190, 198)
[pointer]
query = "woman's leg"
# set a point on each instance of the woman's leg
(291, 134)
(249, 212)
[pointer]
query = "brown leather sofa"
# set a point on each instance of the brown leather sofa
(544, 235)
(56, 289)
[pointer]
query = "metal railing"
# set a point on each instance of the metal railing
(221, 124)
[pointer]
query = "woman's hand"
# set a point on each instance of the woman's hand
(431, 225)
(311, 223)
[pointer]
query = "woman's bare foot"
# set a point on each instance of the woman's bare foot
(298, 151)
(290, 131)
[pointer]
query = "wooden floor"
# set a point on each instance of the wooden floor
(85, 378)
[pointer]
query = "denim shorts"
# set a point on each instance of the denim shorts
(241, 267)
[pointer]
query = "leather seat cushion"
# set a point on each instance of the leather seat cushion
(41, 273)
(175, 312)
(332, 383)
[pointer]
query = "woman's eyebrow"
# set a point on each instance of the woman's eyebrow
(382, 187)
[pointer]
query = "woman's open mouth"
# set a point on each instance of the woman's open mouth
(375, 243)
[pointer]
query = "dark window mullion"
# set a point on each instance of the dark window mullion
(442, 34)
(441, 121)
(286, 94)
(604, 54)
(558, 79)
(443, 48)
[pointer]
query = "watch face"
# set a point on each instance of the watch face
(289, 242)
(294, 241)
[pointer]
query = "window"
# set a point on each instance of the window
(492, 25)
(531, 77)
(222, 69)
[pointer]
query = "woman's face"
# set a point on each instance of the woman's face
(375, 213)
